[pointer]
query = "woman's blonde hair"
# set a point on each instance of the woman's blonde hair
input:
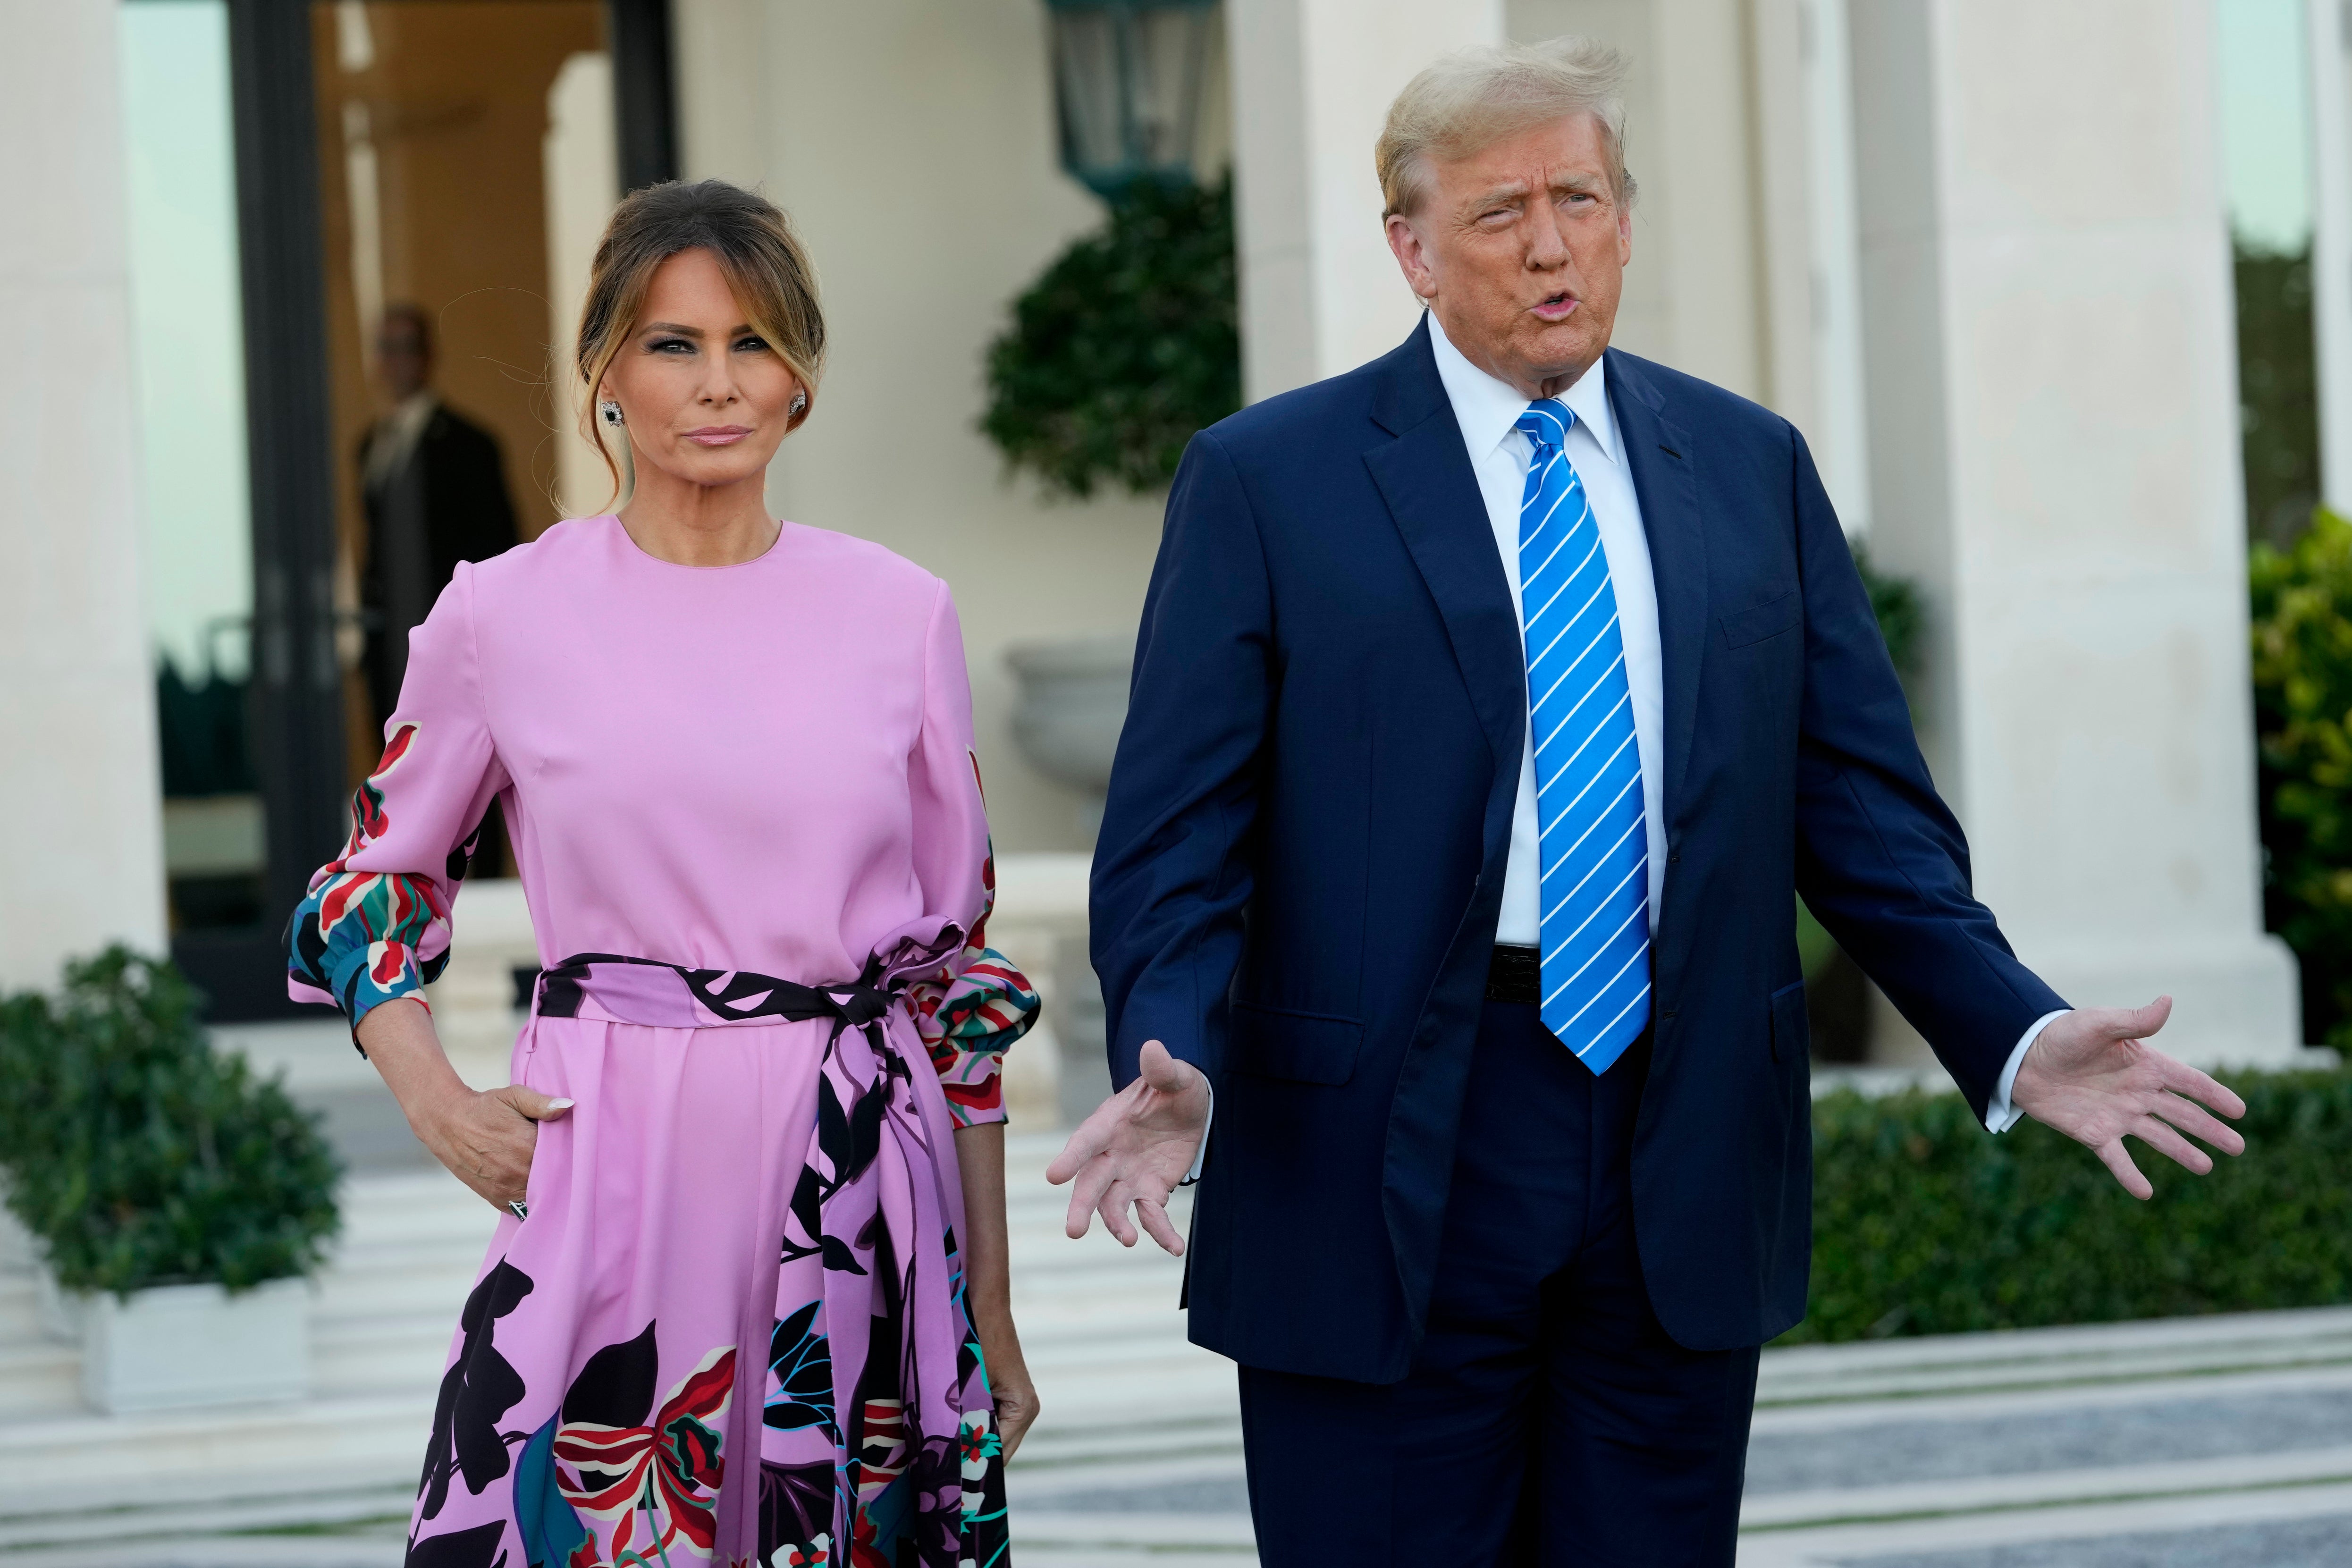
(761, 256)
(1474, 98)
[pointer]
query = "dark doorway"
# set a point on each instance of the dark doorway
(341, 172)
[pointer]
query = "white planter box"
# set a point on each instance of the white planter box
(179, 1345)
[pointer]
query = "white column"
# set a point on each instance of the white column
(81, 861)
(2054, 458)
(2330, 48)
(1312, 81)
(1841, 430)
(583, 182)
(80, 816)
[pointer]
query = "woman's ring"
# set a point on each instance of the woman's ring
(519, 1209)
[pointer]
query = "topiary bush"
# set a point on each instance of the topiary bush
(1924, 1225)
(138, 1156)
(1895, 601)
(1124, 347)
(2302, 603)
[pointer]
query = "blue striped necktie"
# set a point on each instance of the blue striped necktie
(1594, 845)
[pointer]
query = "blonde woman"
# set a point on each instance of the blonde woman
(750, 1299)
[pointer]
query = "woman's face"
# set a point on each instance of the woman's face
(702, 395)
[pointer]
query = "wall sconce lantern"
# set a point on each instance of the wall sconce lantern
(1127, 79)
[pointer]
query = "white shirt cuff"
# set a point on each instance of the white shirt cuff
(1201, 1153)
(2000, 1114)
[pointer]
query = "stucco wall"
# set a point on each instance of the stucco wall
(912, 143)
(81, 853)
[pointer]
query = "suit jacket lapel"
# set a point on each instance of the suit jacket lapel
(1424, 475)
(1666, 482)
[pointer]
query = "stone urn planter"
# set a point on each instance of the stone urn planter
(170, 1347)
(1073, 701)
(1073, 704)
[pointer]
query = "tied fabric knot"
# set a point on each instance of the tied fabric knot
(862, 1003)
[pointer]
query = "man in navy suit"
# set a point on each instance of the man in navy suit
(1492, 701)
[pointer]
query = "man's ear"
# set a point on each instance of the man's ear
(1413, 258)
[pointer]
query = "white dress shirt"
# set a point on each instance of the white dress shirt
(1488, 411)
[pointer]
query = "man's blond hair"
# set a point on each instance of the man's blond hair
(1474, 98)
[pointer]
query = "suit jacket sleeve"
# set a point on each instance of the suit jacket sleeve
(1173, 864)
(1881, 861)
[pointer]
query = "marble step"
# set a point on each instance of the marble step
(199, 1505)
(2078, 1355)
(2048, 1489)
(76, 1458)
(38, 1374)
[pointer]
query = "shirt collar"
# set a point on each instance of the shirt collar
(1488, 409)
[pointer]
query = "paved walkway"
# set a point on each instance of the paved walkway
(2224, 1440)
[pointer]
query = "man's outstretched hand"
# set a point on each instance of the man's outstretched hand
(2093, 1076)
(1136, 1149)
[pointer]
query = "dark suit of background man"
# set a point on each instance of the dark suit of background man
(434, 491)
(1510, 1172)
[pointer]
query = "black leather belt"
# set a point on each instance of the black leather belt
(1516, 974)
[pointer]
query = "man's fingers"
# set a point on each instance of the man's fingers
(1113, 1209)
(2135, 1022)
(1154, 1216)
(1086, 1142)
(2187, 1082)
(1096, 1133)
(2193, 1119)
(1097, 1179)
(1163, 1072)
(2172, 1145)
(1080, 1216)
(2119, 1165)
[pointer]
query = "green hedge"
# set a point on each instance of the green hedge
(138, 1156)
(2302, 609)
(1924, 1225)
(1126, 345)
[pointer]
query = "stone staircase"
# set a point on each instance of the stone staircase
(1104, 1336)
(2163, 1445)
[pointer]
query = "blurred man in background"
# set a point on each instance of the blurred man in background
(434, 489)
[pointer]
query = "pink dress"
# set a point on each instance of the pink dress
(744, 805)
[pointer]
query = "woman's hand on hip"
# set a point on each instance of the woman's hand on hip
(486, 1139)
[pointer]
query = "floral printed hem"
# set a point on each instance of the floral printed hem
(592, 1420)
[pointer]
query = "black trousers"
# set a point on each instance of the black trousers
(1548, 1419)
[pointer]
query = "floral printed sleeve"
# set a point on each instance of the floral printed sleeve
(979, 1003)
(375, 923)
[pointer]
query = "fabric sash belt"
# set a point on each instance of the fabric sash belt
(878, 1201)
(669, 995)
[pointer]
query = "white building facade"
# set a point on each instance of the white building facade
(1972, 248)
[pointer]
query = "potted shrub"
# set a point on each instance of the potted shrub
(1125, 344)
(176, 1202)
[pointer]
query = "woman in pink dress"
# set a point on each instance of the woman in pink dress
(750, 1300)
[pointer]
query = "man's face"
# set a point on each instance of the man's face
(401, 357)
(1520, 250)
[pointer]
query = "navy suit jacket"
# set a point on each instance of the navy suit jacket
(1301, 860)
